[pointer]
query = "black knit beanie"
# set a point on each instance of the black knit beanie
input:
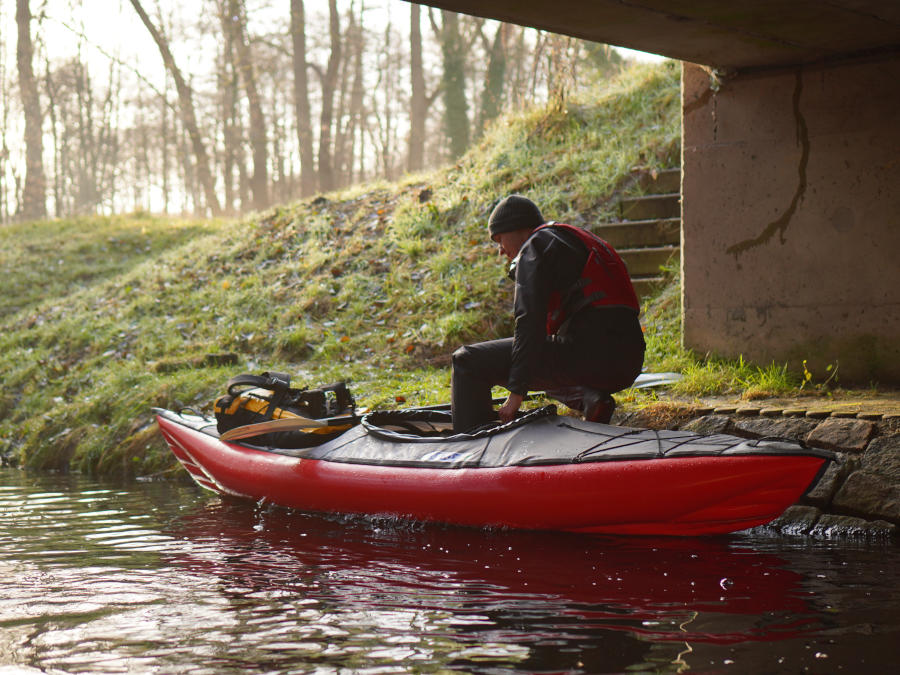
(514, 213)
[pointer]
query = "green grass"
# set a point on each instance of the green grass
(55, 259)
(108, 317)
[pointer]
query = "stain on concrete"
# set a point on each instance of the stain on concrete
(780, 225)
(842, 219)
(698, 102)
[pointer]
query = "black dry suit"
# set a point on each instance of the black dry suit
(597, 346)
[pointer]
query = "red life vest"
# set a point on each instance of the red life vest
(603, 282)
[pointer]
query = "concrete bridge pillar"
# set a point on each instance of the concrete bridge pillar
(791, 217)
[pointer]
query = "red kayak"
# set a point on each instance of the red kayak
(539, 472)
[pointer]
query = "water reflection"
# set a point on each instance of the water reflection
(627, 577)
(159, 577)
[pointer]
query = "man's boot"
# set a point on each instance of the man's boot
(598, 406)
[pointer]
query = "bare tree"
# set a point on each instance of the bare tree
(166, 135)
(34, 198)
(356, 112)
(383, 110)
(308, 178)
(52, 89)
(283, 179)
(228, 85)
(420, 101)
(234, 22)
(255, 128)
(329, 84)
(453, 82)
(516, 72)
(4, 126)
(86, 137)
(561, 68)
(537, 57)
(349, 112)
(492, 94)
(98, 142)
(418, 108)
(189, 117)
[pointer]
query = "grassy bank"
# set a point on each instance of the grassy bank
(107, 317)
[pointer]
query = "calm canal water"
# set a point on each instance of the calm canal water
(155, 577)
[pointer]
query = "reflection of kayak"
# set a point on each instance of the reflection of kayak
(541, 471)
(703, 589)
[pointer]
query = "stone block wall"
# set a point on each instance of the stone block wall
(858, 495)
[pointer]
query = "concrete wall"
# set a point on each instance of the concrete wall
(791, 217)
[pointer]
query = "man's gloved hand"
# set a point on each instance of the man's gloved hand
(509, 409)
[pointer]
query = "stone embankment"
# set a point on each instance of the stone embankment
(859, 494)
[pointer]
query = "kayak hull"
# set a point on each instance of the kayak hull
(685, 495)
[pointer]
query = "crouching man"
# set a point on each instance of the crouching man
(577, 334)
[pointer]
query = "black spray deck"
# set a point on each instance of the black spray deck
(419, 438)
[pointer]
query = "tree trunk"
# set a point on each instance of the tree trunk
(356, 100)
(339, 145)
(4, 127)
(235, 23)
(536, 59)
(34, 200)
(231, 136)
(387, 120)
(453, 84)
(281, 175)
(308, 176)
(188, 115)
(84, 97)
(418, 108)
(4, 148)
(492, 94)
(54, 132)
(518, 72)
(108, 141)
(165, 137)
(329, 84)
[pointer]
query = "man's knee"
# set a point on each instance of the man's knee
(487, 361)
(462, 357)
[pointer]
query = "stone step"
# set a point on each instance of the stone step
(641, 233)
(663, 182)
(644, 286)
(642, 262)
(650, 207)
